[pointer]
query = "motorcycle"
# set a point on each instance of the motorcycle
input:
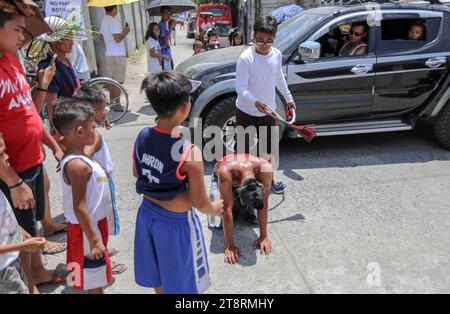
(211, 39)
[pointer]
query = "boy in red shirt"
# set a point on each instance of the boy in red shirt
(23, 132)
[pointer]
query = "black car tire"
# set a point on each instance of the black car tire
(222, 111)
(442, 126)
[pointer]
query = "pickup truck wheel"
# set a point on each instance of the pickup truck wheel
(442, 126)
(222, 114)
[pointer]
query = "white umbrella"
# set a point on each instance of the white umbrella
(177, 6)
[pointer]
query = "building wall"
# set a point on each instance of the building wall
(135, 15)
(88, 45)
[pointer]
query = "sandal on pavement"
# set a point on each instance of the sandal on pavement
(51, 247)
(117, 268)
(278, 187)
(113, 252)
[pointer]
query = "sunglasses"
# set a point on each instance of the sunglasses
(259, 42)
(356, 33)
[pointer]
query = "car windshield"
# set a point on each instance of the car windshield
(294, 28)
(222, 29)
(215, 11)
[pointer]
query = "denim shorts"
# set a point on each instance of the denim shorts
(12, 279)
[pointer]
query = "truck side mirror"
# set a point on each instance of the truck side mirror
(309, 50)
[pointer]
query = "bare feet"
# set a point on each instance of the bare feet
(43, 276)
(53, 228)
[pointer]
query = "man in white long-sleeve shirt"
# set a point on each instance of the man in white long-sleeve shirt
(258, 73)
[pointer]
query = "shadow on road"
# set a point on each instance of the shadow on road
(147, 110)
(416, 146)
(296, 217)
(127, 118)
(244, 235)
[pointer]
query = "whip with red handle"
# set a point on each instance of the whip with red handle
(306, 132)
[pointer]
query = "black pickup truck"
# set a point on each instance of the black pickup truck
(387, 89)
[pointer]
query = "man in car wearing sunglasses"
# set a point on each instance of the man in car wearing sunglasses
(356, 45)
(247, 179)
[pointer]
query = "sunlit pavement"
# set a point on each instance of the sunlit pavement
(361, 213)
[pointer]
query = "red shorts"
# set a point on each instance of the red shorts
(87, 273)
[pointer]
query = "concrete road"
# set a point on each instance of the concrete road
(361, 214)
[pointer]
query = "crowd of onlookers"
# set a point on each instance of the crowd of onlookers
(24, 180)
(169, 249)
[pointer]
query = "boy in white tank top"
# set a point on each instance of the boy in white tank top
(100, 151)
(87, 198)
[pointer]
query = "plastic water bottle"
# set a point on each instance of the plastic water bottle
(167, 65)
(214, 194)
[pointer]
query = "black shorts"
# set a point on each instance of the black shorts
(28, 219)
(245, 120)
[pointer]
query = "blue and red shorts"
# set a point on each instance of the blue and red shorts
(170, 251)
(87, 273)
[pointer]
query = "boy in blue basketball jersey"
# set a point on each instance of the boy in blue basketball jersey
(169, 249)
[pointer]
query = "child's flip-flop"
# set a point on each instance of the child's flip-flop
(113, 252)
(118, 268)
(51, 247)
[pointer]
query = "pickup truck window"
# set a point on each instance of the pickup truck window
(407, 34)
(292, 30)
(338, 38)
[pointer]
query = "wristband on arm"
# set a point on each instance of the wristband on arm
(16, 185)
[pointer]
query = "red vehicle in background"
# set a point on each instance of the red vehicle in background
(220, 12)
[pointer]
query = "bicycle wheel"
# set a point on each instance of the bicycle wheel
(117, 102)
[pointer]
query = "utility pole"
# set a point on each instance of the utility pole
(96, 15)
(257, 9)
(244, 12)
(88, 45)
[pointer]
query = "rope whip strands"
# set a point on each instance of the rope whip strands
(307, 132)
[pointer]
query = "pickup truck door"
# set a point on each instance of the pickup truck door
(333, 88)
(408, 71)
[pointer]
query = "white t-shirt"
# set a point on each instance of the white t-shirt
(206, 26)
(153, 64)
(110, 26)
(257, 76)
(79, 62)
(9, 232)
